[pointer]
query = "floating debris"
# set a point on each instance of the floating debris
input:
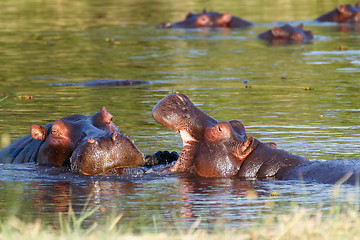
(247, 86)
(111, 40)
(321, 116)
(341, 47)
(26, 97)
(274, 194)
(284, 78)
(308, 88)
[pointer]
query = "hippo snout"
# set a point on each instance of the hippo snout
(102, 153)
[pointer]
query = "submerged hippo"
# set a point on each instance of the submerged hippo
(287, 34)
(90, 145)
(208, 19)
(342, 14)
(222, 149)
(104, 83)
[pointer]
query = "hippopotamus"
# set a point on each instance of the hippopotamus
(208, 19)
(223, 149)
(90, 145)
(342, 14)
(287, 34)
(104, 83)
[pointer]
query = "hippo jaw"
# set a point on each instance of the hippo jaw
(178, 113)
(99, 155)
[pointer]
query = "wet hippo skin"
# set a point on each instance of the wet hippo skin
(342, 14)
(208, 19)
(222, 149)
(90, 145)
(287, 34)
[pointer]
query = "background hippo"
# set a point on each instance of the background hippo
(342, 14)
(104, 83)
(287, 34)
(222, 149)
(208, 19)
(89, 144)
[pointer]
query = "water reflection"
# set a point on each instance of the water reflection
(44, 43)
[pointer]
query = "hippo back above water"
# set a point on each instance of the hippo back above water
(208, 19)
(89, 144)
(342, 14)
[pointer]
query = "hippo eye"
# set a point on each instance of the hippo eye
(109, 121)
(55, 133)
(203, 20)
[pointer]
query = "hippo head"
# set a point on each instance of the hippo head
(287, 34)
(61, 138)
(208, 20)
(238, 144)
(204, 19)
(111, 149)
(342, 14)
(210, 148)
(178, 113)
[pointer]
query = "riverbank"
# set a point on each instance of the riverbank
(336, 223)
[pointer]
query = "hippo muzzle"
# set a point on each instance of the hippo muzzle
(103, 153)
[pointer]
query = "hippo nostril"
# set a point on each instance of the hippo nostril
(219, 129)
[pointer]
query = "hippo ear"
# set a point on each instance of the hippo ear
(226, 17)
(38, 132)
(276, 31)
(301, 25)
(238, 127)
(245, 148)
(204, 10)
(102, 117)
(103, 109)
(341, 8)
(189, 15)
(272, 144)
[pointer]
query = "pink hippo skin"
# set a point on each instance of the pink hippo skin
(89, 144)
(286, 35)
(208, 19)
(222, 149)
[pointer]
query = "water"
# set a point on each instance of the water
(45, 43)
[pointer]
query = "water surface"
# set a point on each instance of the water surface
(227, 74)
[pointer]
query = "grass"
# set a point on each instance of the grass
(337, 223)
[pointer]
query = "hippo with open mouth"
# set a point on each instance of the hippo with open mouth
(222, 149)
(90, 145)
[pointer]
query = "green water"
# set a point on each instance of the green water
(47, 42)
